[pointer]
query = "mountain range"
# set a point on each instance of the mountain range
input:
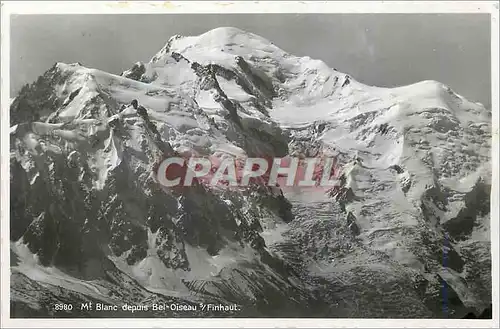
(404, 234)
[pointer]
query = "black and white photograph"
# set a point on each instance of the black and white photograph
(164, 161)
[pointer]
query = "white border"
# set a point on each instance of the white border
(144, 7)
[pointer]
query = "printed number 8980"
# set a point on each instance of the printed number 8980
(63, 307)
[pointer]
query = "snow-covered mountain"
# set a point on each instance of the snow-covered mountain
(404, 234)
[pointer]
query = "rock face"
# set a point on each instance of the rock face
(405, 233)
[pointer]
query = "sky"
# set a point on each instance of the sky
(377, 49)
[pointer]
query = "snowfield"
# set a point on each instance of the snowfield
(405, 233)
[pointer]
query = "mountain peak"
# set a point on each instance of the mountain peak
(221, 36)
(221, 43)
